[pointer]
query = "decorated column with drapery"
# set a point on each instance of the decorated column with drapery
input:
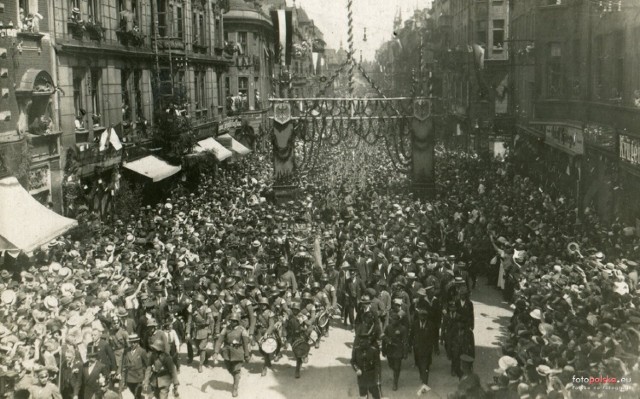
(283, 147)
(423, 148)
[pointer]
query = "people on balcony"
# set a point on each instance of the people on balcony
(79, 122)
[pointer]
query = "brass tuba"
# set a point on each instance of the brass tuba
(574, 249)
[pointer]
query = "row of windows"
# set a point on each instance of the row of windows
(87, 91)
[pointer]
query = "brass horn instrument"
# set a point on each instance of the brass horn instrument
(574, 249)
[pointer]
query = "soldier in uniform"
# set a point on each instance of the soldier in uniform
(265, 328)
(235, 346)
(247, 314)
(365, 360)
(298, 335)
(203, 328)
(395, 344)
(161, 372)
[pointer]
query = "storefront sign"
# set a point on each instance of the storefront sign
(630, 149)
(565, 137)
(39, 179)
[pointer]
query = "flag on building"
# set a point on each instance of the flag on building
(282, 21)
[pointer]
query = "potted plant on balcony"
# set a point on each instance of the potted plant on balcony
(95, 29)
(231, 48)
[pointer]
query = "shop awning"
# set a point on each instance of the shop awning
(153, 167)
(233, 144)
(213, 146)
(25, 224)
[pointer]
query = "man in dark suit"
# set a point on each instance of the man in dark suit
(423, 337)
(353, 289)
(104, 350)
(91, 373)
(134, 366)
(70, 373)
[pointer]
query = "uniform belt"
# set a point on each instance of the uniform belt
(234, 346)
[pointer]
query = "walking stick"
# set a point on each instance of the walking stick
(60, 367)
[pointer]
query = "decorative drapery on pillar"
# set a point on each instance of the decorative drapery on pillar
(423, 149)
(283, 142)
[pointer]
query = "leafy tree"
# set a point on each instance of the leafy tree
(173, 131)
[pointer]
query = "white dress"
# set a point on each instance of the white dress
(501, 271)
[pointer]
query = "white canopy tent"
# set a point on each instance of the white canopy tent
(233, 144)
(213, 146)
(25, 224)
(153, 167)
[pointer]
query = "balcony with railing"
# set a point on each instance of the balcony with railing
(91, 159)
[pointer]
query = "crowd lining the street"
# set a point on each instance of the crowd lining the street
(398, 270)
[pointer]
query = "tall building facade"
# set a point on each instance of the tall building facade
(120, 61)
(30, 127)
(250, 80)
(577, 100)
(472, 62)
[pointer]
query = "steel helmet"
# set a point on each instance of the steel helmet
(234, 316)
(324, 277)
(229, 282)
(263, 301)
(199, 298)
(152, 323)
(251, 282)
(282, 286)
(315, 285)
(158, 345)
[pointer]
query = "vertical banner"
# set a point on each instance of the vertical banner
(282, 21)
(314, 59)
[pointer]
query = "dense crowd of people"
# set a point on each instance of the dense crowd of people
(227, 271)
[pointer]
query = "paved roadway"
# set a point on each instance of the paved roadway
(329, 375)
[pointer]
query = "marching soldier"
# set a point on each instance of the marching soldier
(202, 329)
(161, 372)
(365, 360)
(265, 328)
(298, 335)
(235, 346)
(395, 344)
(247, 314)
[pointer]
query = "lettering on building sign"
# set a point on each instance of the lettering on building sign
(630, 149)
(566, 137)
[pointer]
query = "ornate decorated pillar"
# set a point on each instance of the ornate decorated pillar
(283, 142)
(423, 149)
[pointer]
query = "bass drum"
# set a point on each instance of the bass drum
(300, 348)
(323, 319)
(313, 336)
(269, 345)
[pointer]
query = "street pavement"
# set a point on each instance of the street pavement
(328, 373)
